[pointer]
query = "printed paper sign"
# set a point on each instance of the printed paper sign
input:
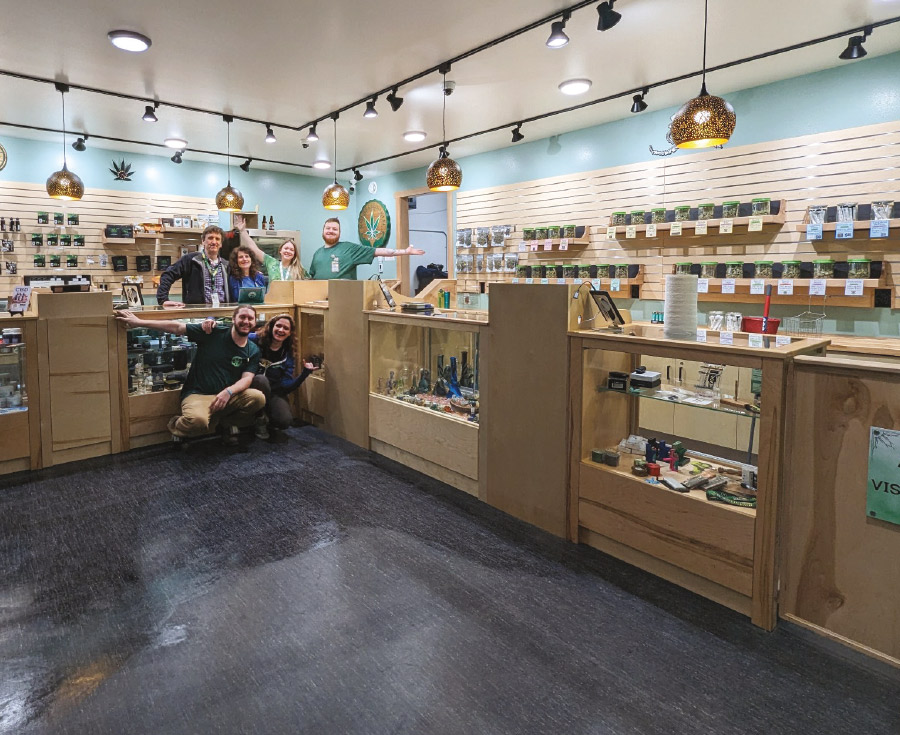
(534, 247)
(883, 481)
(615, 285)
(595, 284)
(755, 340)
(702, 285)
(675, 229)
(515, 280)
(561, 280)
(630, 232)
(758, 286)
(610, 233)
(522, 246)
(548, 244)
(545, 281)
(814, 232)
(651, 230)
(843, 231)
(726, 226)
(817, 287)
(755, 224)
(529, 281)
(726, 338)
(18, 300)
(700, 227)
(782, 340)
(879, 228)
(727, 285)
(564, 243)
(853, 287)
(785, 286)
(701, 335)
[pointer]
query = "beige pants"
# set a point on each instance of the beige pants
(196, 420)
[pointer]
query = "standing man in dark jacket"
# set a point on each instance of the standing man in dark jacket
(204, 275)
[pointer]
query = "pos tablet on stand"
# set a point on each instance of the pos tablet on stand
(607, 307)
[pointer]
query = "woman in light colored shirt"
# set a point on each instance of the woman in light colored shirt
(286, 267)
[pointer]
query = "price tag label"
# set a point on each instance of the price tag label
(545, 280)
(785, 286)
(755, 224)
(727, 285)
(564, 243)
(651, 230)
(615, 285)
(529, 281)
(561, 280)
(610, 233)
(701, 335)
(533, 247)
(879, 228)
(630, 232)
(817, 287)
(595, 284)
(814, 232)
(755, 340)
(782, 340)
(758, 286)
(675, 229)
(702, 285)
(843, 231)
(853, 287)
(726, 338)
(700, 227)
(726, 226)
(515, 280)
(522, 246)
(548, 244)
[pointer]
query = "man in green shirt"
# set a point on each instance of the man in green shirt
(218, 384)
(336, 259)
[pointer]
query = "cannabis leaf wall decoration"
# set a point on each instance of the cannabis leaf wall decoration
(121, 171)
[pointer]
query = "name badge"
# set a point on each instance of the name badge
(335, 265)
(215, 301)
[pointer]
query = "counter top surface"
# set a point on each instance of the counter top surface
(440, 317)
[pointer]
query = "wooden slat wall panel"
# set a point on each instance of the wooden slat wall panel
(98, 209)
(859, 164)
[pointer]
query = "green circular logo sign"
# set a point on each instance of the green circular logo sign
(237, 361)
(374, 224)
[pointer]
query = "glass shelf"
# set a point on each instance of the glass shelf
(681, 397)
(13, 397)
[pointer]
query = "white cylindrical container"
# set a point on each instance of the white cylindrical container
(681, 307)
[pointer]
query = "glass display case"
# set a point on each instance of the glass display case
(13, 392)
(157, 361)
(311, 397)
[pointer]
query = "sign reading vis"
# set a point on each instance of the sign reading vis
(883, 489)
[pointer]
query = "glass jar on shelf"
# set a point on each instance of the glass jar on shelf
(859, 268)
(617, 219)
(708, 269)
(553, 232)
(541, 233)
(730, 210)
(790, 269)
(620, 270)
(706, 211)
(521, 271)
(716, 320)
(637, 216)
(763, 268)
(882, 209)
(584, 272)
(603, 270)
(537, 271)
(846, 212)
(683, 269)
(570, 270)
(733, 321)
(658, 215)
(551, 270)
(683, 213)
(823, 268)
(528, 233)
(734, 269)
(568, 231)
(816, 213)
(760, 206)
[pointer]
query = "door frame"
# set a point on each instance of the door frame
(401, 207)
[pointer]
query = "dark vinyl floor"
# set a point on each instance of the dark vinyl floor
(312, 587)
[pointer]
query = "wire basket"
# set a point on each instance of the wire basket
(807, 323)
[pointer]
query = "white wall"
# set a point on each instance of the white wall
(430, 214)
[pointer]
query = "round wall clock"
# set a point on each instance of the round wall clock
(3, 158)
(373, 187)
(374, 224)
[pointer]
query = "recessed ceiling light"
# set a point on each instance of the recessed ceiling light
(322, 164)
(414, 136)
(129, 41)
(575, 86)
(176, 143)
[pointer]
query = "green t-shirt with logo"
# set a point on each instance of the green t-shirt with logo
(340, 261)
(219, 362)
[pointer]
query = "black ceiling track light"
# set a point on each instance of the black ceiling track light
(176, 158)
(150, 113)
(312, 136)
(855, 48)
(79, 145)
(637, 102)
(558, 37)
(357, 176)
(517, 134)
(370, 108)
(245, 166)
(270, 135)
(393, 100)
(608, 17)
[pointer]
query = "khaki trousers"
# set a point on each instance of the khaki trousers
(195, 419)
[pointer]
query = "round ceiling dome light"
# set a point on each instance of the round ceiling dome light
(414, 136)
(575, 86)
(129, 41)
(322, 164)
(177, 143)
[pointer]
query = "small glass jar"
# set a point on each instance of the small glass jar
(846, 212)
(708, 270)
(682, 213)
(658, 215)
(763, 268)
(541, 233)
(733, 321)
(617, 218)
(823, 268)
(882, 209)
(859, 268)
(706, 211)
(730, 209)
(570, 271)
(683, 269)
(637, 216)
(815, 213)
(569, 231)
(716, 320)
(734, 269)
(603, 270)
(584, 272)
(552, 271)
(537, 271)
(790, 269)
(553, 232)
(528, 233)
(760, 206)
(521, 271)
(620, 270)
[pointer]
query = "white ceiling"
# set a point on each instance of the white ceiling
(292, 61)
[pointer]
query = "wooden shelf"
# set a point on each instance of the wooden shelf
(274, 234)
(149, 235)
(183, 230)
(117, 240)
(857, 225)
(834, 291)
(768, 219)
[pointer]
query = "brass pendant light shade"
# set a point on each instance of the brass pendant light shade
(335, 197)
(704, 121)
(65, 185)
(229, 199)
(444, 174)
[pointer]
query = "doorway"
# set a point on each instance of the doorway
(425, 220)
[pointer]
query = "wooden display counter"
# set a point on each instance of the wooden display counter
(20, 425)
(724, 552)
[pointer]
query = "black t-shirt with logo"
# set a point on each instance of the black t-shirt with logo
(219, 362)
